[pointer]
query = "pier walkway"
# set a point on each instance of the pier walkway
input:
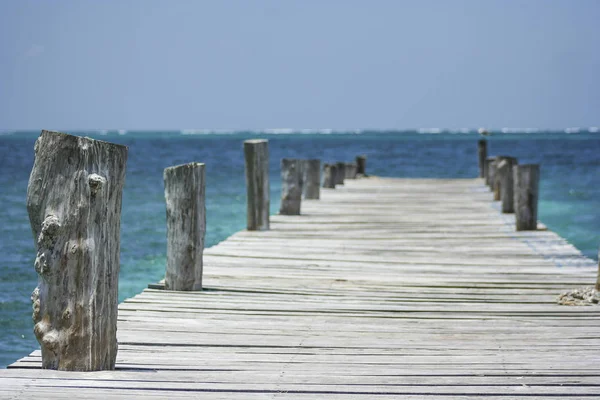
(384, 288)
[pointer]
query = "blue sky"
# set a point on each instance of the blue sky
(254, 64)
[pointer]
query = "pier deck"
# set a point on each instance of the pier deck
(383, 288)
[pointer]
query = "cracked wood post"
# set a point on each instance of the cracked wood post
(186, 225)
(256, 155)
(291, 186)
(482, 155)
(505, 183)
(312, 179)
(74, 204)
(526, 186)
(340, 174)
(329, 176)
(361, 165)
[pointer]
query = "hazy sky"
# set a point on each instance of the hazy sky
(301, 64)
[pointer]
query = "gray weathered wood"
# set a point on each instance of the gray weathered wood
(74, 205)
(256, 155)
(526, 186)
(504, 190)
(311, 187)
(481, 156)
(340, 172)
(329, 176)
(491, 176)
(291, 186)
(361, 165)
(350, 171)
(186, 225)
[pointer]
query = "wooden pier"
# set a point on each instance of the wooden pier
(384, 288)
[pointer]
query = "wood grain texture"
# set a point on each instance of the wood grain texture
(427, 292)
(256, 156)
(311, 188)
(329, 176)
(74, 205)
(526, 193)
(186, 225)
(292, 171)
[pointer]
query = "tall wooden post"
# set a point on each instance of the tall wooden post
(505, 183)
(256, 154)
(329, 176)
(312, 179)
(74, 205)
(526, 183)
(340, 172)
(482, 155)
(186, 225)
(361, 165)
(291, 186)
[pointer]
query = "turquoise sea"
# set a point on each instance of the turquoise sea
(569, 204)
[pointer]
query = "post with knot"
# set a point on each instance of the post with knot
(329, 176)
(527, 181)
(311, 187)
(291, 186)
(482, 155)
(361, 165)
(504, 190)
(186, 225)
(256, 155)
(74, 204)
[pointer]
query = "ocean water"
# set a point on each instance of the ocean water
(569, 198)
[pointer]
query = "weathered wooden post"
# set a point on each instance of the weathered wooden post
(312, 179)
(340, 168)
(505, 183)
(291, 186)
(497, 183)
(597, 287)
(526, 186)
(491, 172)
(361, 165)
(256, 154)
(482, 155)
(186, 225)
(329, 176)
(350, 171)
(74, 205)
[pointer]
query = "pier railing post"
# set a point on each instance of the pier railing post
(361, 165)
(312, 179)
(186, 225)
(340, 172)
(482, 155)
(350, 171)
(256, 155)
(291, 186)
(329, 176)
(74, 204)
(505, 183)
(526, 186)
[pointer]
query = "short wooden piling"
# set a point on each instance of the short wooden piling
(329, 176)
(291, 186)
(361, 165)
(505, 183)
(311, 187)
(186, 225)
(526, 187)
(340, 172)
(491, 172)
(74, 205)
(256, 154)
(350, 171)
(482, 155)
(497, 183)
